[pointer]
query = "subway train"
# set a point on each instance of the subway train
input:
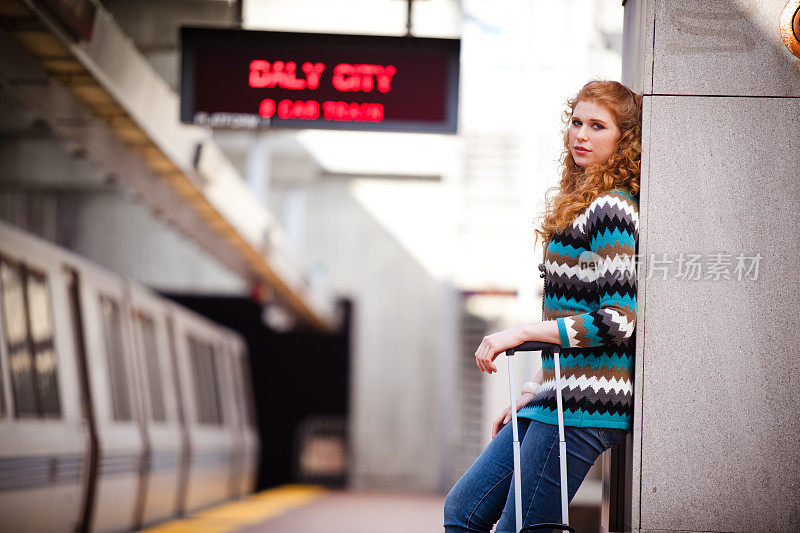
(118, 408)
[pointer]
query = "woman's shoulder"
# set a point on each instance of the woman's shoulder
(613, 205)
(616, 203)
(618, 196)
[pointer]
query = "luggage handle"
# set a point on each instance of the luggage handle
(535, 346)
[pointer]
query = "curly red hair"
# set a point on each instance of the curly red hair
(579, 186)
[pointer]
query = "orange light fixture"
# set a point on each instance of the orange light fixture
(790, 26)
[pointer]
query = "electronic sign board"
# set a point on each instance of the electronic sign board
(232, 78)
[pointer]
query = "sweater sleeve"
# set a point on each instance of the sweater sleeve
(612, 230)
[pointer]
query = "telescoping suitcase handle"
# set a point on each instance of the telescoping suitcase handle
(533, 346)
(536, 346)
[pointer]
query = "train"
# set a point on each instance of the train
(119, 409)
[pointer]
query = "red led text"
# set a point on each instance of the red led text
(309, 110)
(353, 111)
(284, 75)
(347, 77)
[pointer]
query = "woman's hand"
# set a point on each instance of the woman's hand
(505, 416)
(495, 344)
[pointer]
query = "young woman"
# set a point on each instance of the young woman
(590, 230)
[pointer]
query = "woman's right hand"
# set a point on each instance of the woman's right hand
(505, 415)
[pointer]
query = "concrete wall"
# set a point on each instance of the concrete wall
(403, 338)
(54, 191)
(128, 238)
(715, 429)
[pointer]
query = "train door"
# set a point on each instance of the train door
(114, 384)
(201, 384)
(240, 420)
(186, 445)
(87, 404)
(230, 407)
(43, 440)
(159, 489)
(244, 398)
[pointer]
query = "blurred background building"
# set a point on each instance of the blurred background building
(428, 236)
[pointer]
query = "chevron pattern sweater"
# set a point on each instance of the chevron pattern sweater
(590, 291)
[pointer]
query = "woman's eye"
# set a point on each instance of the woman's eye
(598, 126)
(576, 122)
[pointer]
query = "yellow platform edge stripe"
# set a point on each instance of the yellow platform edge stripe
(236, 514)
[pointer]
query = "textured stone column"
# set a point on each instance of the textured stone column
(715, 442)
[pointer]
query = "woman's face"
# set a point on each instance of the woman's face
(593, 134)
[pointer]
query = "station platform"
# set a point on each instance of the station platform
(315, 509)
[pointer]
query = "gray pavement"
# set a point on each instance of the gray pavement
(360, 512)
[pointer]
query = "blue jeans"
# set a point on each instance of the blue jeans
(485, 493)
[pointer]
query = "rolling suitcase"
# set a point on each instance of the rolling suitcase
(535, 346)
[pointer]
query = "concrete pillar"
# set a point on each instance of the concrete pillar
(294, 212)
(258, 165)
(716, 380)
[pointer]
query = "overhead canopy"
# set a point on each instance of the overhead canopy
(96, 90)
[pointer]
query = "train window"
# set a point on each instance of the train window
(247, 389)
(28, 325)
(20, 361)
(120, 397)
(224, 360)
(241, 391)
(218, 362)
(205, 380)
(238, 389)
(40, 320)
(150, 346)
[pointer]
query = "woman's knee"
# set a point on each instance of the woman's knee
(455, 512)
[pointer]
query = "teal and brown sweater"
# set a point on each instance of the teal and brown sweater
(590, 291)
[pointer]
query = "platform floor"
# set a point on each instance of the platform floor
(360, 512)
(312, 509)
